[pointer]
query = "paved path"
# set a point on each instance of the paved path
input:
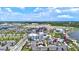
(20, 44)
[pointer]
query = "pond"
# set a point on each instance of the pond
(74, 35)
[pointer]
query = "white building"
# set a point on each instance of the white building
(33, 36)
(41, 35)
(59, 30)
(60, 40)
(37, 36)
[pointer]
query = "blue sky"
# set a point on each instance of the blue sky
(39, 14)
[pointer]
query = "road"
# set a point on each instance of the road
(20, 44)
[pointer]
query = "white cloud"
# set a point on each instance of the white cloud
(17, 16)
(50, 9)
(74, 9)
(71, 9)
(22, 7)
(0, 9)
(42, 12)
(8, 9)
(64, 16)
(46, 14)
(53, 9)
(58, 11)
(37, 9)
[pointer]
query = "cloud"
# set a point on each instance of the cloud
(50, 9)
(9, 15)
(58, 11)
(0, 9)
(42, 12)
(37, 9)
(8, 9)
(65, 16)
(38, 14)
(22, 7)
(71, 9)
(74, 9)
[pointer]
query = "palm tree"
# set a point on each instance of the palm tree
(46, 41)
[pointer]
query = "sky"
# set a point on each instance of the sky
(39, 14)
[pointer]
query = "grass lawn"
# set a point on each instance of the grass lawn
(76, 29)
(73, 46)
(16, 38)
(26, 49)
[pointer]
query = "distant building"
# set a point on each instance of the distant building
(33, 36)
(60, 30)
(7, 45)
(37, 36)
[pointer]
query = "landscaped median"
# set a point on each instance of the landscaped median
(15, 37)
(72, 45)
(10, 35)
